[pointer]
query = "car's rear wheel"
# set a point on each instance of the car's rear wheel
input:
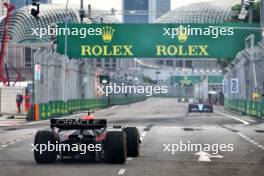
(43, 139)
(133, 141)
(190, 106)
(115, 147)
(210, 108)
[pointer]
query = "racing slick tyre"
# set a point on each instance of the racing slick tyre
(190, 108)
(211, 109)
(133, 141)
(115, 147)
(45, 137)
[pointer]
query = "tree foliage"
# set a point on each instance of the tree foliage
(237, 8)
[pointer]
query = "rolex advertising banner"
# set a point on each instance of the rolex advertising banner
(154, 40)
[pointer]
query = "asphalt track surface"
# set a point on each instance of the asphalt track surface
(161, 122)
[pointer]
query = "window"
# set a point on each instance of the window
(169, 62)
(107, 60)
(29, 55)
(114, 62)
(179, 63)
(160, 62)
(188, 64)
(98, 62)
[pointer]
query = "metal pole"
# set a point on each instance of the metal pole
(7, 73)
(250, 13)
(66, 26)
(262, 17)
(242, 2)
(33, 85)
(252, 72)
(81, 11)
(89, 12)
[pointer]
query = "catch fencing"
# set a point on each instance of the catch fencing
(67, 85)
(63, 78)
(248, 68)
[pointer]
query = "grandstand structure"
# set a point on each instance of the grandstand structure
(24, 43)
(216, 11)
(22, 21)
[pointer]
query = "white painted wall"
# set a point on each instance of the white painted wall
(8, 100)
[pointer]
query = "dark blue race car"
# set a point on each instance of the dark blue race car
(200, 107)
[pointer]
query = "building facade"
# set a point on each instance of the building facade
(144, 11)
(21, 3)
(21, 49)
(2, 8)
(135, 11)
(157, 8)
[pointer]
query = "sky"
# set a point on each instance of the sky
(116, 4)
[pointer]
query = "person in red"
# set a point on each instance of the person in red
(88, 116)
(19, 101)
(27, 101)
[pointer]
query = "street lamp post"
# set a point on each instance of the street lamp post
(157, 76)
(33, 86)
(81, 11)
(250, 13)
(66, 26)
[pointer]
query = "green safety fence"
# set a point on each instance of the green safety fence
(120, 101)
(246, 107)
(44, 111)
(58, 108)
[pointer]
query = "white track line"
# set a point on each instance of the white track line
(143, 135)
(251, 141)
(233, 117)
(13, 141)
(121, 171)
(5, 125)
(32, 123)
(129, 158)
(113, 107)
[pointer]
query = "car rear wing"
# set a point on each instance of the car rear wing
(72, 124)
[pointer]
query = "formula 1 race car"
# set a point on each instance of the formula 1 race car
(86, 140)
(200, 107)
